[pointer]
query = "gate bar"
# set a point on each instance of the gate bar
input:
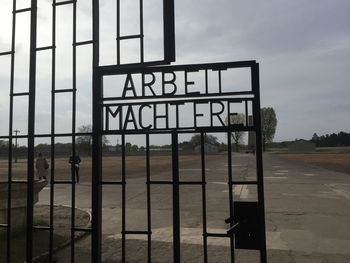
(229, 155)
(6, 53)
(259, 162)
(9, 178)
(176, 197)
(149, 219)
(31, 129)
(74, 100)
(204, 200)
(123, 198)
(96, 196)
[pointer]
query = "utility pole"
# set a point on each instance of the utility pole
(16, 132)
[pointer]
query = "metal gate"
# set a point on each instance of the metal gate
(246, 219)
(125, 115)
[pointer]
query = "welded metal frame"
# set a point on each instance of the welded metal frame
(98, 100)
(31, 136)
(252, 96)
(168, 33)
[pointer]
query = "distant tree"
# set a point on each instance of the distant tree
(4, 145)
(210, 139)
(118, 148)
(343, 139)
(43, 148)
(85, 141)
(128, 147)
(315, 137)
(237, 136)
(222, 147)
(334, 140)
(186, 146)
(134, 148)
(268, 125)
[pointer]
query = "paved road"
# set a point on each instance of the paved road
(307, 214)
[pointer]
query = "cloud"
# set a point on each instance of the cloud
(303, 48)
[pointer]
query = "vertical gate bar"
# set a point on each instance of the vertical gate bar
(149, 222)
(219, 81)
(141, 33)
(176, 197)
(9, 189)
(246, 113)
(31, 130)
(96, 196)
(53, 103)
(259, 160)
(123, 198)
(204, 200)
(74, 100)
(206, 81)
(118, 30)
(230, 193)
(169, 30)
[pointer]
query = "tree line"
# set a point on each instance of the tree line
(332, 140)
(84, 142)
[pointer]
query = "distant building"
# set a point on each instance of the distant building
(301, 146)
(208, 148)
(112, 149)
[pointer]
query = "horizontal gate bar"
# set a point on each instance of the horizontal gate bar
(65, 2)
(6, 53)
(82, 229)
(215, 235)
(136, 68)
(63, 90)
(45, 48)
(212, 97)
(47, 135)
(41, 228)
(63, 182)
(23, 10)
(133, 65)
(83, 43)
(129, 37)
(18, 181)
(181, 182)
(180, 130)
(21, 94)
(136, 232)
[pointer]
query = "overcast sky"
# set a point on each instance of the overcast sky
(303, 47)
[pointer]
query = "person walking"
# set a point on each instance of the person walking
(41, 166)
(75, 163)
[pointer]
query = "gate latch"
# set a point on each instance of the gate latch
(245, 225)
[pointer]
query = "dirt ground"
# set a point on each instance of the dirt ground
(339, 162)
(135, 166)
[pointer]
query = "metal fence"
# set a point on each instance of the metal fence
(246, 221)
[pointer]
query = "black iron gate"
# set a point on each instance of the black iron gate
(246, 220)
(126, 114)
